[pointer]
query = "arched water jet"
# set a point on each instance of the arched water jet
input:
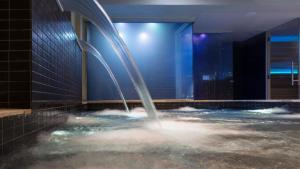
(92, 10)
(92, 50)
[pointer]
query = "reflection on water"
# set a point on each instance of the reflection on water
(186, 138)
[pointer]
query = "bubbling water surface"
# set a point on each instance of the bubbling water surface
(114, 139)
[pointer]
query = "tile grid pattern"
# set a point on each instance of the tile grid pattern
(56, 57)
(19, 130)
(15, 53)
(46, 41)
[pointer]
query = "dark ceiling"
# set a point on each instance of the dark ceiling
(242, 18)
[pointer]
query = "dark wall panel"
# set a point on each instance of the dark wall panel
(56, 57)
(15, 53)
(212, 66)
(250, 68)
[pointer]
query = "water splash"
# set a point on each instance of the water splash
(92, 50)
(92, 10)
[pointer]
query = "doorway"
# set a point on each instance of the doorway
(283, 61)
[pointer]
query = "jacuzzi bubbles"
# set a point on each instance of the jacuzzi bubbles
(189, 139)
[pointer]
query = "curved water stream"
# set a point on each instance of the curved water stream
(92, 50)
(92, 10)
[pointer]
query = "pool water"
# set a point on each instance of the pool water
(185, 138)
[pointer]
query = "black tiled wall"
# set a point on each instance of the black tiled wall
(15, 53)
(17, 131)
(40, 69)
(56, 57)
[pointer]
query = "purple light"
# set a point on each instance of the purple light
(200, 37)
(203, 35)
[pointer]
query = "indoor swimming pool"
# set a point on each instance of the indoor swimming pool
(183, 138)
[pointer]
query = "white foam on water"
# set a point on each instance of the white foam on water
(84, 120)
(131, 147)
(138, 109)
(288, 116)
(60, 133)
(187, 109)
(136, 113)
(189, 118)
(112, 112)
(270, 110)
(175, 132)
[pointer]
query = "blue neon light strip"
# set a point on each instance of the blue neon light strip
(289, 38)
(282, 71)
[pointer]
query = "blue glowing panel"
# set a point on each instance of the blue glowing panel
(288, 38)
(277, 71)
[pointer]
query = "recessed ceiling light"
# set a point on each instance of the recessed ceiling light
(143, 36)
(203, 35)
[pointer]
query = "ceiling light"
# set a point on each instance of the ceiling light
(143, 36)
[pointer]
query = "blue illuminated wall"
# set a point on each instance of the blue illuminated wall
(160, 50)
(184, 62)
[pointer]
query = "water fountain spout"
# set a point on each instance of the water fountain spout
(92, 10)
(92, 50)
